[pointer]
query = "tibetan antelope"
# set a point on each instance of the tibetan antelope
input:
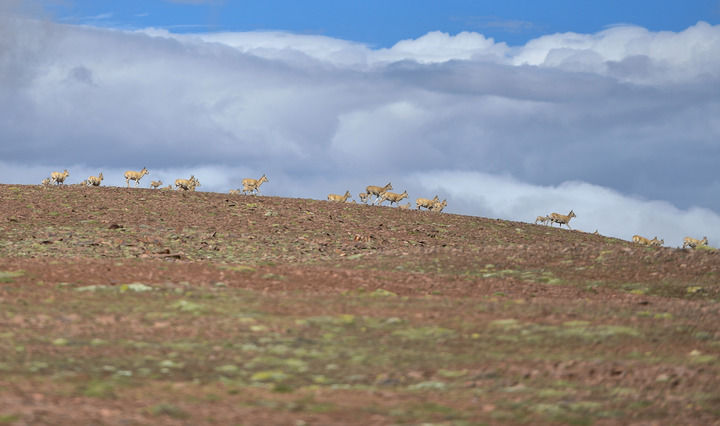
(136, 176)
(562, 219)
(253, 185)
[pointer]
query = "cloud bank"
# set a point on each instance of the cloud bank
(625, 116)
(607, 211)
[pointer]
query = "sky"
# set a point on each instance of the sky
(506, 109)
(382, 23)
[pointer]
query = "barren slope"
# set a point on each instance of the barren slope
(129, 305)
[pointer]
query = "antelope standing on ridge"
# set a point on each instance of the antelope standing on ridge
(253, 185)
(136, 176)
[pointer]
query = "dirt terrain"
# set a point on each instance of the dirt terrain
(147, 307)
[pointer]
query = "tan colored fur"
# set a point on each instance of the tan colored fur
(253, 185)
(692, 242)
(377, 190)
(95, 180)
(187, 184)
(427, 203)
(656, 243)
(542, 219)
(339, 198)
(439, 206)
(562, 219)
(637, 239)
(58, 178)
(392, 197)
(136, 176)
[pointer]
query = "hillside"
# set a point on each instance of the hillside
(146, 306)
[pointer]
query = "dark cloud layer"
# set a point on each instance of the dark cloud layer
(625, 110)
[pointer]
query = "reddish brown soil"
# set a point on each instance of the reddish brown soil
(303, 258)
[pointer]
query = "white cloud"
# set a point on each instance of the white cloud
(437, 46)
(662, 56)
(628, 53)
(286, 46)
(626, 110)
(596, 207)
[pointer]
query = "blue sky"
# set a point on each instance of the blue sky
(383, 23)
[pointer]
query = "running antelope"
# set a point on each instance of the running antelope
(187, 184)
(95, 180)
(424, 202)
(542, 219)
(562, 219)
(637, 239)
(392, 197)
(439, 206)
(58, 178)
(657, 243)
(692, 242)
(377, 190)
(339, 198)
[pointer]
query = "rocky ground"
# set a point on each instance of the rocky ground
(137, 306)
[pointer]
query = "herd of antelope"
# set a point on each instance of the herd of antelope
(184, 184)
(381, 194)
(252, 186)
(562, 219)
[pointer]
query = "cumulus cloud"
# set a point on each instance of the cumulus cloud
(437, 46)
(625, 110)
(284, 46)
(597, 208)
(630, 53)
